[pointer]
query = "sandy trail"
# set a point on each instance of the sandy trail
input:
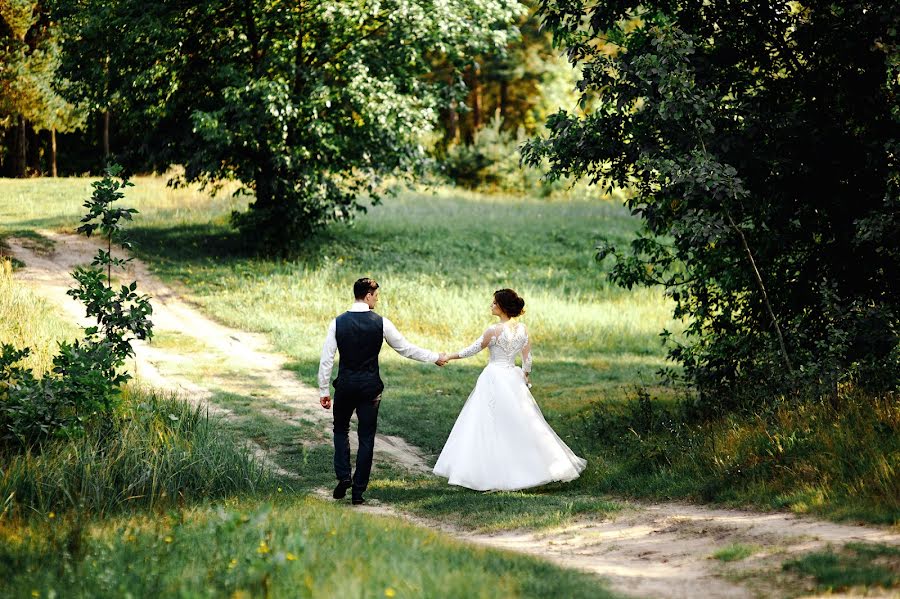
(646, 550)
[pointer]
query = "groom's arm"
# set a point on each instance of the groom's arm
(403, 347)
(326, 364)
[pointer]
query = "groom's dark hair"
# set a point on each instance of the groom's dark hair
(363, 287)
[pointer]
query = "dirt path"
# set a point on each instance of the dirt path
(647, 550)
(240, 358)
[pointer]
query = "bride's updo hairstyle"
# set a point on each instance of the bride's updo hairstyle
(510, 302)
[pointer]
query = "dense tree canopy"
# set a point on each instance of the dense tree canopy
(309, 104)
(761, 140)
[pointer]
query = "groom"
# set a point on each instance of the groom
(357, 335)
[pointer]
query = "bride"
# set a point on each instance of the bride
(500, 440)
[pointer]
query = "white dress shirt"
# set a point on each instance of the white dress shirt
(393, 337)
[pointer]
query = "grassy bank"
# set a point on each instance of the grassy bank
(438, 257)
(282, 548)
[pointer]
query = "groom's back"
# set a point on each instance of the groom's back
(359, 336)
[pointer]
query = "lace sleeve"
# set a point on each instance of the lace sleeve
(481, 343)
(526, 354)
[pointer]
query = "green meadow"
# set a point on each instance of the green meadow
(439, 254)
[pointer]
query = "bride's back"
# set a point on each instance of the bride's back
(506, 341)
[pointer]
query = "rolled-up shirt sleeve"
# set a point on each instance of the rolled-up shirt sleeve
(403, 347)
(326, 362)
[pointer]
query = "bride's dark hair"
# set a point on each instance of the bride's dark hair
(510, 302)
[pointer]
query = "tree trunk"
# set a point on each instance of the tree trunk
(106, 134)
(21, 163)
(452, 124)
(33, 144)
(504, 98)
(53, 151)
(475, 86)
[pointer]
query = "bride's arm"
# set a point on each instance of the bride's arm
(526, 358)
(480, 343)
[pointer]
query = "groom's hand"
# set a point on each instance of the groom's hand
(325, 401)
(442, 359)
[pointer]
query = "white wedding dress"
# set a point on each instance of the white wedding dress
(500, 440)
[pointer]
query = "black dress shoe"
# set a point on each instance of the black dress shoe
(357, 501)
(340, 491)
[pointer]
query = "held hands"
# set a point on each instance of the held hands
(442, 359)
(325, 401)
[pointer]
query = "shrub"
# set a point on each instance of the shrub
(84, 382)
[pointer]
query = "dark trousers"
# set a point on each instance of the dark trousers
(366, 407)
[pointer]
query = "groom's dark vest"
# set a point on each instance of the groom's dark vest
(359, 337)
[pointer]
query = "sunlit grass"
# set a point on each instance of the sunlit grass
(27, 320)
(281, 548)
(734, 552)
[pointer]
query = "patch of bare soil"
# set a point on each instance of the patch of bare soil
(647, 550)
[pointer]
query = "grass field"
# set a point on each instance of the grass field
(167, 503)
(438, 256)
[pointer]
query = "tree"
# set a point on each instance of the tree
(29, 57)
(309, 104)
(760, 140)
(523, 83)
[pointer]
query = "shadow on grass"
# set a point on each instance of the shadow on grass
(190, 244)
(547, 506)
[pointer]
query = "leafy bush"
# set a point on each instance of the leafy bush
(761, 142)
(492, 163)
(83, 386)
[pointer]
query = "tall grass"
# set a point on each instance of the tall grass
(69, 526)
(159, 452)
(26, 320)
(840, 460)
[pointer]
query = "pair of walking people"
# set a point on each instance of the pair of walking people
(500, 440)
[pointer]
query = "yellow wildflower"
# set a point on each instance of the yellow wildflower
(35, 593)
(168, 539)
(389, 592)
(263, 548)
(51, 515)
(232, 564)
(290, 557)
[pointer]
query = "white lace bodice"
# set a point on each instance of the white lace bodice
(505, 342)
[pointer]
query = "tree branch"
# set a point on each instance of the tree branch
(762, 288)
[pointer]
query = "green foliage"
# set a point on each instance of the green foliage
(857, 565)
(491, 161)
(761, 143)
(83, 385)
(308, 105)
(30, 55)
